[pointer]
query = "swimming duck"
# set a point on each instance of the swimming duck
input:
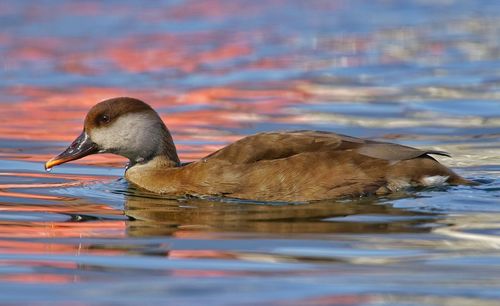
(293, 166)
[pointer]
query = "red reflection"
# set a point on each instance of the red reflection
(48, 116)
(140, 60)
(55, 114)
(103, 229)
(38, 277)
(332, 300)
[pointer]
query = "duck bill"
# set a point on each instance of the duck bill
(80, 147)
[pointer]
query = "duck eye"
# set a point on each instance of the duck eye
(104, 119)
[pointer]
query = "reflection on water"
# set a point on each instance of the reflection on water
(422, 73)
(156, 216)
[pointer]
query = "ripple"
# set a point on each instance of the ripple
(31, 216)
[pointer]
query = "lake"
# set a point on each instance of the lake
(420, 73)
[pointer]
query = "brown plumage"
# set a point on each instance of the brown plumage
(276, 166)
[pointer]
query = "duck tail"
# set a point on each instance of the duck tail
(458, 180)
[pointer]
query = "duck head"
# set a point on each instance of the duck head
(123, 126)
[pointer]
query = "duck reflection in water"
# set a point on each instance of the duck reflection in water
(152, 215)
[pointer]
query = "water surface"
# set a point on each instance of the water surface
(420, 73)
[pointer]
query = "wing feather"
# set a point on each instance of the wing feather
(278, 145)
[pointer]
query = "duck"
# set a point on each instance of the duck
(283, 166)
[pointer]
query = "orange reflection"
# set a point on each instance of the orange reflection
(44, 113)
(47, 116)
(341, 299)
(26, 195)
(39, 278)
(131, 59)
(103, 229)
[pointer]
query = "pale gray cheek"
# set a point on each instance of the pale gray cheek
(107, 139)
(129, 136)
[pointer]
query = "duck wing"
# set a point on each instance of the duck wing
(278, 145)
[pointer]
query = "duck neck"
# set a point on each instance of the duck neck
(168, 151)
(162, 155)
(159, 175)
(159, 162)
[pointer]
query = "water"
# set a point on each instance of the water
(420, 73)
